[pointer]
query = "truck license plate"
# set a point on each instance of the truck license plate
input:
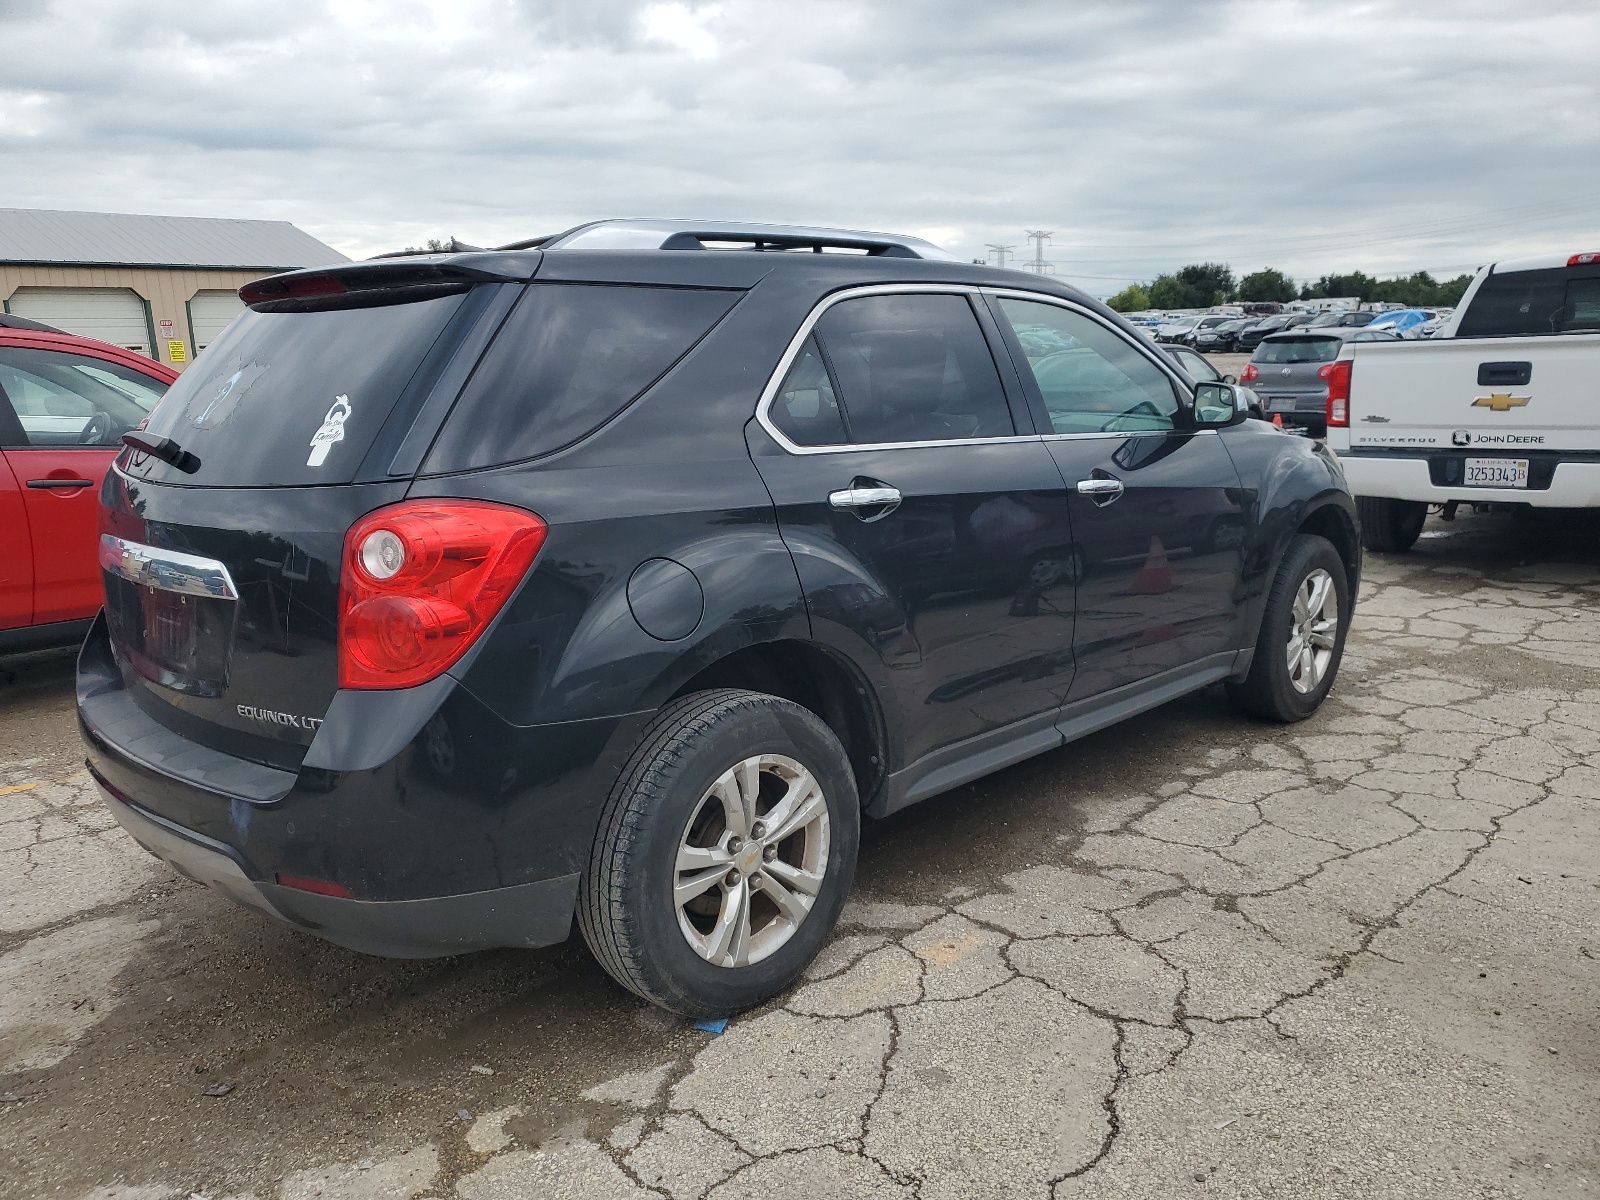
(1497, 472)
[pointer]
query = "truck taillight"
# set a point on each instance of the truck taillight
(1584, 260)
(1249, 374)
(1337, 373)
(421, 580)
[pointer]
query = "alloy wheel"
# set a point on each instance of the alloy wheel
(751, 860)
(1313, 631)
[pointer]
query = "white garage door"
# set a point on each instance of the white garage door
(209, 314)
(114, 315)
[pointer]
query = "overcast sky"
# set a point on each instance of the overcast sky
(1308, 136)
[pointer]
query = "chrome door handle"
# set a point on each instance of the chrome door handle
(1101, 491)
(862, 495)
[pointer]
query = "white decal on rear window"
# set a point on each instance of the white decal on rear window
(332, 431)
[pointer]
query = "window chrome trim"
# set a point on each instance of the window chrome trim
(166, 570)
(792, 352)
(1121, 434)
(770, 392)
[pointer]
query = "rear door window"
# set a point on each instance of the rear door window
(1298, 350)
(569, 358)
(63, 399)
(805, 409)
(913, 368)
(286, 398)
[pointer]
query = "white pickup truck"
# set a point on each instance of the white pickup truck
(1502, 406)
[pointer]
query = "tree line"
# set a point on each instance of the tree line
(1201, 285)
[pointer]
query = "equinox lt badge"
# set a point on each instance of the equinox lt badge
(251, 713)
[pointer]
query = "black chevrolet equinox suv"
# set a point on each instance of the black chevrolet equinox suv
(619, 574)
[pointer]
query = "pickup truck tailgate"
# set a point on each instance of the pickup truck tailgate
(1533, 393)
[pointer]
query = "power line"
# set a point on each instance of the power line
(1435, 229)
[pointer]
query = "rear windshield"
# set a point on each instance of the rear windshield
(1521, 303)
(569, 358)
(293, 398)
(1297, 350)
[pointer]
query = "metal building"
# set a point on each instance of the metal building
(162, 286)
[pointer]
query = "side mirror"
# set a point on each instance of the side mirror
(1219, 404)
(1230, 379)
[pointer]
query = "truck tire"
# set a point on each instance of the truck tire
(1301, 640)
(724, 854)
(1390, 526)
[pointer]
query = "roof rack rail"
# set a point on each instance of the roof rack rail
(693, 235)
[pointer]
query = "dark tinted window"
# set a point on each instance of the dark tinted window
(913, 368)
(570, 357)
(62, 399)
(1090, 378)
(1297, 350)
(805, 408)
(1515, 303)
(294, 398)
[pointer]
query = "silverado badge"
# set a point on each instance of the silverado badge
(1501, 401)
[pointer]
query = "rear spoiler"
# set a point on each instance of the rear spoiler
(367, 284)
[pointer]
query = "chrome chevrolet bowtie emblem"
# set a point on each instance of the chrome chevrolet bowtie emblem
(1501, 401)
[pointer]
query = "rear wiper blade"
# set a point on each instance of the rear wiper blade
(167, 450)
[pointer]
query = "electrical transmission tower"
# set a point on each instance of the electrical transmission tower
(1000, 252)
(1038, 266)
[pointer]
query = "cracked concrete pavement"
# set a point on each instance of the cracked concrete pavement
(1190, 956)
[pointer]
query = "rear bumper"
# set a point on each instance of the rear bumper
(1310, 409)
(471, 834)
(1573, 484)
(532, 914)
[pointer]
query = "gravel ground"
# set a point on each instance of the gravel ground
(1189, 956)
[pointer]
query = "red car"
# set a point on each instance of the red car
(65, 403)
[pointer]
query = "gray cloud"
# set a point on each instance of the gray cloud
(1387, 136)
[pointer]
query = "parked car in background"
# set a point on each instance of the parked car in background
(1339, 319)
(1202, 324)
(1289, 372)
(1497, 408)
(622, 577)
(1177, 330)
(1250, 336)
(65, 402)
(1432, 326)
(1400, 321)
(1221, 338)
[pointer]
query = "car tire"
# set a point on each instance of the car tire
(1390, 526)
(669, 823)
(1277, 689)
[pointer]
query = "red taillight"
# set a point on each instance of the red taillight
(1337, 373)
(1584, 260)
(1249, 374)
(421, 580)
